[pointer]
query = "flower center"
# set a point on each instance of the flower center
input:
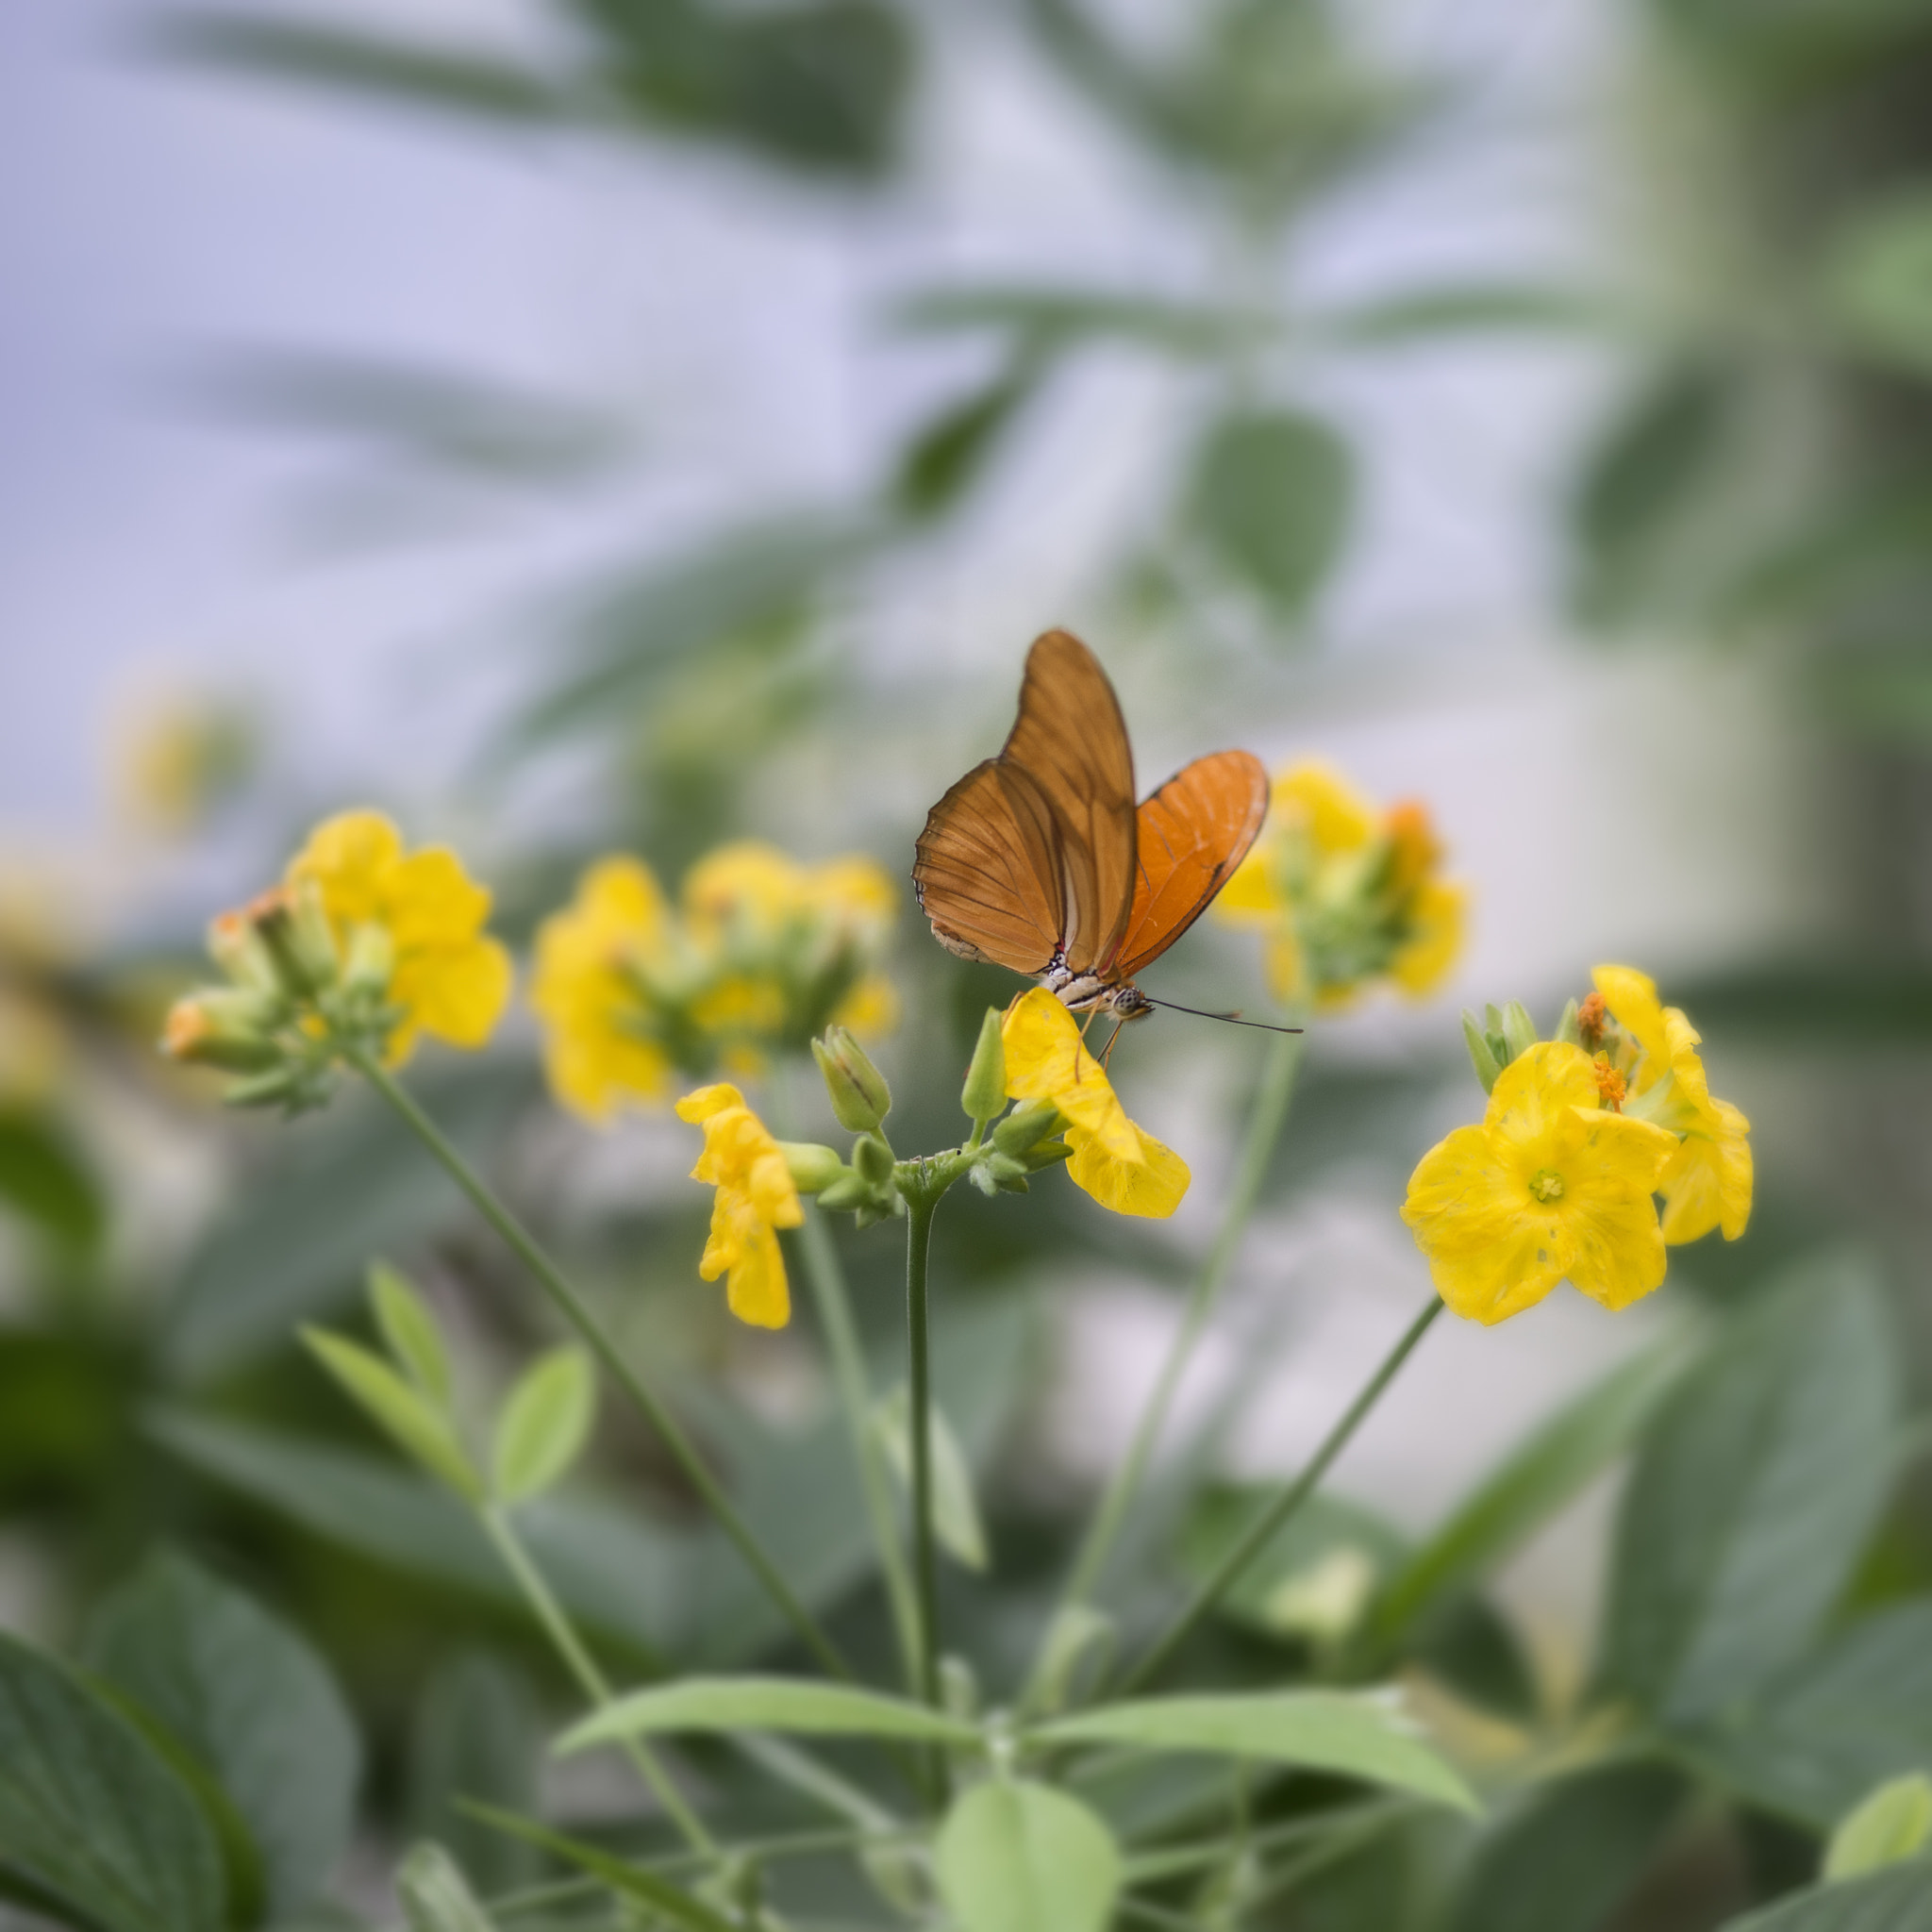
(1546, 1184)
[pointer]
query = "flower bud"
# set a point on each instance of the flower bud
(1569, 1029)
(280, 1087)
(235, 947)
(1026, 1125)
(814, 1167)
(1519, 1030)
(860, 1098)
(227, 1027)
(872, 1159)
(1045, 1154)
(848, 1192)
(1481, 1056)
(984, 1096)
(372, 960)
(296, 935)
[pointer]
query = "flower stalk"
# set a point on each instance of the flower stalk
(572, 1306)
(921, 1205)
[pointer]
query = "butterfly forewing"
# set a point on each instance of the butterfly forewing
(1192, 835)
(1070, 740)
(988, 871)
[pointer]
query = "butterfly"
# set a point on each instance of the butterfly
(1039, 860)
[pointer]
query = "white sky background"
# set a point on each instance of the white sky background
(152, 217)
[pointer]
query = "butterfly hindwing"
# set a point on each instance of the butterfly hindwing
(988, 871)
(1191, 836)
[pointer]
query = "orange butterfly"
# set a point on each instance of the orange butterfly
(1037, 860)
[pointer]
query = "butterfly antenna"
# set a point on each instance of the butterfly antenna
(1232, 1018)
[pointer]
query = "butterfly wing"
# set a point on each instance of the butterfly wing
(987, 870)
(1070, 740)
(1192, 835)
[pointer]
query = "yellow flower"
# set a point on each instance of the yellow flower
(760, 954)
(449, 978)
(1344, 894)
(1121, 1167)
(755, 1197)
(1550, 1185)
(1708, 1183)
(584, 988)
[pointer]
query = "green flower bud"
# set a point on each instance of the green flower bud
(230, 1028)
(814, 1167)
(873, 1158)
(372, 960)
(984, 1096)
(1568, 1029)
(280, 1087)
(294, 933)
(1482, 1055)
(1519, 1030)
(1007, 1166)
(1024, 1126)
(1045, 1154)
(860, 1098)
(848, 1192)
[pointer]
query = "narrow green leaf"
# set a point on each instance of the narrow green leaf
(625, 1879)
(91, 1817)
(1019, 1856)
(1894, 1823)
(765, 1704)
(954, 1513)
(1898, 1899)
(475, 1738)
(1531, 1485)
(951, 452)
(1275, 495)
(1756, 1486)
(411, 1332)
(435, 1895)
(45, 1180)
(1355, 1734)
(250, 1702)
(394, 1405)
(544, 1423)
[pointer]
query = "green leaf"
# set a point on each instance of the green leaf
(1875, 282)
(250, 1702)
(436, 1897)
(298, 1242)
(613, 1570)
(951, 452)
(1756, 1486)
(1531, 1485)
(625, 1879)
(1426, 315)
(1355, 1736)
(1848, 1715)
(1050, 319)
(1898, 1899)
(1565, 1858)
(544, 1423)
(794, 1705)
(45, 1181)
(395, 1405)
(91, 1817)
(1019, 1856)
(1274, 496)
(955, 1513)
(410, 1332)
(475, 1740)
(1894, 1822)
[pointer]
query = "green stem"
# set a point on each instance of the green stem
(1264, 1129)
(573, 1309)
(1285, 1505)
(589, 1679)
(919, 1216)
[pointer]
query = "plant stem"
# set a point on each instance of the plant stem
(1285, 1505)
(589, 1679)
(1264, 1129)
(920, 1209)
(684, 1451)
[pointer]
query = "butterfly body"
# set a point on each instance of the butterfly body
(1038, 859)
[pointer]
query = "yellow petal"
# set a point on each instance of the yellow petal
(1437, 916)
(457, 994)
(745, 881)
(702, 1102)
(1709, 1181)
(1315, 797)
(1251, 895)
(429, 900)
(758, 1291)
(350, 857)
(871, 1009)
(1492, 1251)
(1535, 1094)
(1150, 1185)
(1046, 1060)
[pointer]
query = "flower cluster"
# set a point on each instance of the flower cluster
(1582, 1133)
(364, 945)
(1344, 894)
(760, 954)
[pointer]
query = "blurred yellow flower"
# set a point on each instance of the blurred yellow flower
(755, 1197)
(1708, 1183)
(1121, 1167)
(1551, 1185)
(179, 758)
(761, 954)
(1346, 894)
(447, 977)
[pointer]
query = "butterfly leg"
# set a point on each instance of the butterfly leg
(1107, 1051)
